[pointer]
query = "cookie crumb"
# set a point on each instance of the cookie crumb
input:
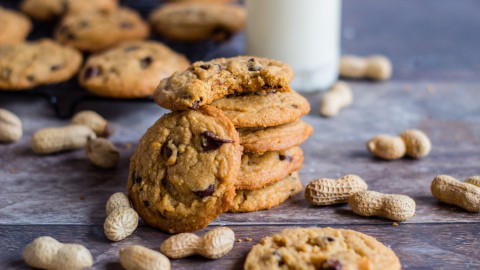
(248, 239)
(239, 240)
(127, 146)
(82, 197)
(394, 224)
(430, 88)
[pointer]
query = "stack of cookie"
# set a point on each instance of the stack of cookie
(234, 129)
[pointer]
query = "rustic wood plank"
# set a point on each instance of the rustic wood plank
(66, 189)
(427, 246)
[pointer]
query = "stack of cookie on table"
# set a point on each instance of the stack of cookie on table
(230, 144)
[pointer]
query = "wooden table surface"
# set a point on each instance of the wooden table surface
(434, 48)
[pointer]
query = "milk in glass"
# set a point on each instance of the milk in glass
(301, 33)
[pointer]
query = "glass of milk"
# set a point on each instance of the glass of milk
(303, 33)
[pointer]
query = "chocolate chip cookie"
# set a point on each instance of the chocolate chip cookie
(183, 172)
(260, 170)
(14, 26)
(256, 110)
(321, 248)
(130, 70)
(49, 9)
(204, 82)
(95, 31)
(261, 140)
(204, 1)
(26, 65)
(198, 21)
(266, 197)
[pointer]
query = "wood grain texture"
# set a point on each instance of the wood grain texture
(433, 45)
(48, 189)
(413, 244)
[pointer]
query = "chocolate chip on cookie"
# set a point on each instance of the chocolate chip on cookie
(188, 162)
(204, 82)
(130, 70)
(321, 248)
(95, 31)
(198, 21)
(50, 9)
(27, 65)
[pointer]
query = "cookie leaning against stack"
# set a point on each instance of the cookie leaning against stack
(189, 165)
(255, 94)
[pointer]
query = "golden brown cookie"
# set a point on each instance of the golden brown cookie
(263, 110)
(321, 248)
(183, 172)
(205, 82)
(50, 9)
(260, 170)
(14, 26)
(261, 140)
(27, 65)
(204, 1)
(95, 31)
(192, 21)
(266, 197)
(130, 70)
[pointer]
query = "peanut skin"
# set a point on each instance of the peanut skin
(387, 147)
(413, 143)
(392, 206)
(338, 97)
(141, 258)
(102, 153)
(473, 180)
(121, 219)
(94, 121)
(10, 127)
(47, 253)
(326, 191)
(451, 191)
(214, 244)
(53, 140)
(417, 143)
(375, 67)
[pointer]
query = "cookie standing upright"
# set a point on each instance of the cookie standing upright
(14, 26)
(183, 172)
(321, 248)
(130, 70)
(95, 31)
(204, 82)
(49, 9)
(26, 65)
(198, 21)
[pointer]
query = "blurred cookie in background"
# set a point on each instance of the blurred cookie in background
(14, 26)
(198, 21)
(131, 70)
(204, 1)
(95, 31)
(27, 65)
(44, 10)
